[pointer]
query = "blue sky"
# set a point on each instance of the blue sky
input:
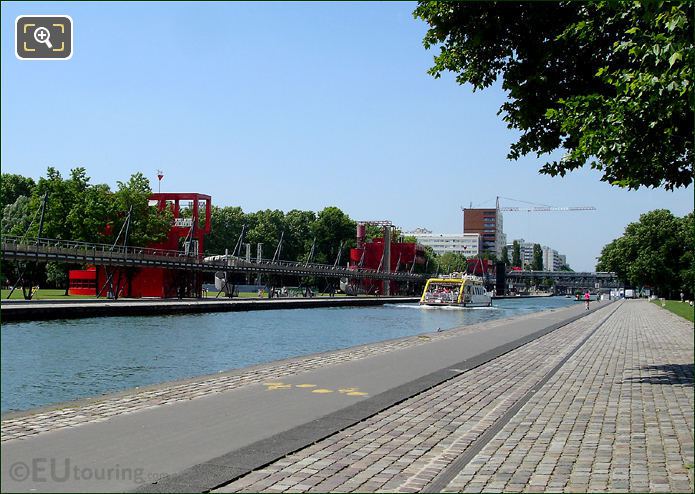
(290, 106)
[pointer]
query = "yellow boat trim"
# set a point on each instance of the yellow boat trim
(453, 281)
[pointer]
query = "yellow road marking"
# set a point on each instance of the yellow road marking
(274, 386)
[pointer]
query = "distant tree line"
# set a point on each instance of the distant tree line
(76, 210)
(79, 210)
(655, 252)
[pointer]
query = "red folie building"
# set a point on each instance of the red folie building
(83, 281)
(191, 212)
(370, 255)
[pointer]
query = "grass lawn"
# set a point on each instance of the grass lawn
(682, 309)
(45, 293)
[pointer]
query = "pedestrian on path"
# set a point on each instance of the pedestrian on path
(587, 297)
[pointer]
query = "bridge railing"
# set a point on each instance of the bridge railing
(53, 243)
(75, 251)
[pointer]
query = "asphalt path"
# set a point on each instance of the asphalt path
(202, 443)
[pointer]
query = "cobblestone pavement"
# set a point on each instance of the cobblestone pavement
(618, 415)
(101, 409)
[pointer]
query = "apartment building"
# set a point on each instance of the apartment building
(488, 224)
(468, 244)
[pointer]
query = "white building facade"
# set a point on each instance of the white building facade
(467, 244)
(552, 260)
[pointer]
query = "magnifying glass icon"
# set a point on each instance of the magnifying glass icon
(43, 35)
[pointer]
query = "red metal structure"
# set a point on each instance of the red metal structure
(191, 212)
(83, 281)
(370, 255)
(480, 267)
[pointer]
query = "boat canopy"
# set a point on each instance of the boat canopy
(449, 288)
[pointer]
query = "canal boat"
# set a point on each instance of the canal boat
(456, 290)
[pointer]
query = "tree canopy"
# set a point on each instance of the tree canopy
(13, 186)
(78, 210)
(505, 256)
(451, 262)
(537, 263)
(609, 83)
(516, 254)
(656, 251)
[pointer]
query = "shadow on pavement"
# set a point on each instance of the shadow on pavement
(665, 374)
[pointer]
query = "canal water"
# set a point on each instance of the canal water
(46, 362)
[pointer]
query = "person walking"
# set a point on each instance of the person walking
(587, 297)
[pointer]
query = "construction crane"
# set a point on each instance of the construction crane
(539, 208)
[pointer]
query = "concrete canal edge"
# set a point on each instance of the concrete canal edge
(224, 469)
(11, 311)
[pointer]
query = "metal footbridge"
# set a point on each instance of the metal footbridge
(567, 279)
(46, 249)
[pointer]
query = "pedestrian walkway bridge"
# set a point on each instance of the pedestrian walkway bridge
(568, 279)
(45, 249)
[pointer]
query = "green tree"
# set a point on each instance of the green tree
(148, 225)
(58, 205)
(537, 264)
(516, 254)
(505, 256)
(686, 238)
(651, 252)
(95, 209)
(57, 275)
(13, 186)
(333, 227)
(91, 207)
(431, 265)
(267, 227)
(16, 217)
(75, 209)
(451, 262)
(298, 234)
(610, 82)
(490, 256)
(225, 228)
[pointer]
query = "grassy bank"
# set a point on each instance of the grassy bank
(44, 294)
(682, 309)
